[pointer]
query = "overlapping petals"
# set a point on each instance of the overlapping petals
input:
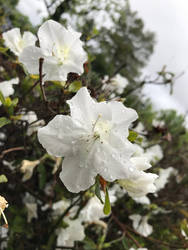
(91, 141)
(61, 50)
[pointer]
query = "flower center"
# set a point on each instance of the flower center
(101, 128)
(61, 53)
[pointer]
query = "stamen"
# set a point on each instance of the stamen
(94, 125)
(4, 217)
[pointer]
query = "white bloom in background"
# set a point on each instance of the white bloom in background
(61, 49)
(142, 200)
(27, 168)
(59, 207)
(115, 84)
(74, 232)
(140, 248)
(164, 175)
(93, 211)
(33, 122)
(16, 42)
(118, 83)
(93, 141)
(31, 205)
(6, 87)
(140, 224)
(141, 183)
(154, 153)
(140, 129)
(157, 123)
(31, 211)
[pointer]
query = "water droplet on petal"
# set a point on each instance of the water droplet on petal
(131, 169)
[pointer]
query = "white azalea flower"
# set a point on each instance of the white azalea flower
(142, 200)
(93, 211)
(93, 141)
(27, 168)
(31, 211)
(16, 42)
(6, 87)
(31, 118)
(141, 183)
(140, 224)
(74, 232)
(31, 205)
(164, 175)
(117, 84)
(154, 153)
(61, 49)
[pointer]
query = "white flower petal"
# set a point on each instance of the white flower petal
(58, 136)
(30, 58)
(12, 39)
(110, 163)
(6, 87)
(122, 117)
(74, 177)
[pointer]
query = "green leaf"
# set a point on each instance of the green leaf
(2, 99)
(3, 178)
(8, 102)
(75, 86)
(15, 102)
(3, 50)
(107, 206)
(4, 121)
(97, 190)
(132, 136)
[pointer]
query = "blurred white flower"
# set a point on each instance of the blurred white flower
(140, 248)
(32, 120)
(31, 211)
(61, 49)
(140, 129)
(140, 224)
(6, 87)
(74, 232)
(93, 211)
(93, 141)
(142, 200)
(116, 84)
(31, 205)
(27, 168)
(164, 175)
(141, 183)
(158, 123)
(16, 42)
(154, 153)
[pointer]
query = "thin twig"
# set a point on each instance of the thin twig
(41, 60)
(10, 150)
(124, 229)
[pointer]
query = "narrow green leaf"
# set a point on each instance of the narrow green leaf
(3, 178)
(75, 86)
(4, 121)
(3, 50)
(97, 190)
(2, 99)
(107, 206)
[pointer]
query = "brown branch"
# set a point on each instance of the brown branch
(11, 150)
(124, 229)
